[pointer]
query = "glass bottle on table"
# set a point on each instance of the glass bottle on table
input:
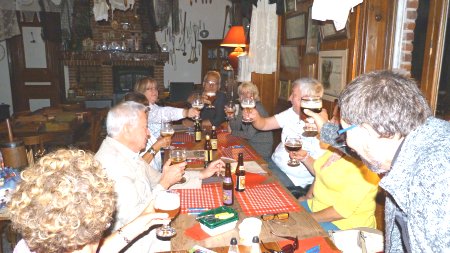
(208, 151)
(234, 248)
(197, 131)
(214, 141)
(240, 173)
(227, 187)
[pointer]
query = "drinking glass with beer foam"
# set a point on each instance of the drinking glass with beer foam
(167, 130)
(313, 103)
(293, 143)
(197, 104)
(248, 104)
(211, 95)
(178, 155)
(230, 109)
(167, 202)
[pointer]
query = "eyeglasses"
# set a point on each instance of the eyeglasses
(279, 216)
(289, 248)
(343, 134)
(210, 83)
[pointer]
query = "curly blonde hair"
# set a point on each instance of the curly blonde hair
(63, 202)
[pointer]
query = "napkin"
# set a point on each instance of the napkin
(196, 232)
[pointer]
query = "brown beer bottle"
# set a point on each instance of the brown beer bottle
(198, 131)
(227, 187)
(214, 138)
(240, 173)
(208, 151)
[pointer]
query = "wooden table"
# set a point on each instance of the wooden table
(305, 226)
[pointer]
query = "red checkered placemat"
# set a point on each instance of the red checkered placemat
(226, 139)
(233, 151)
(266, 198)
(209, 196)
(183, 137)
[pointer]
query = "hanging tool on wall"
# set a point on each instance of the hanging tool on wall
(227, 12)
(184, 35)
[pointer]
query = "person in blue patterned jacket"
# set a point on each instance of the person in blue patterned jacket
(389, 124)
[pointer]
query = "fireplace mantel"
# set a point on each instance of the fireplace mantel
(98, 58)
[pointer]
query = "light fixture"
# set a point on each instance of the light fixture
(235, 38)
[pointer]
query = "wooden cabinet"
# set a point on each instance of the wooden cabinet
(213, 55)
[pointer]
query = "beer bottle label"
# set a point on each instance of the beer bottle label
(198, 136)
(214, 144)
(241, 183)
(227, 180)
(228, 197)
(208, 155)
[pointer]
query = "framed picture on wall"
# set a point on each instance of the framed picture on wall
(328, 31)
(312, 38)
(289, 56)
(332, 72)
(285, 89)
(296, 26)
(290, 6)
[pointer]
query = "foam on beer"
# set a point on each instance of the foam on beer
(167, 201)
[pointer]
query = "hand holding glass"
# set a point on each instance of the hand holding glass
(247, 104)
(230, 109)
(167, 130)
(167, 202)
(198, 104)
(293, 143)
(313, 103)
(211, 97)
(178, 155)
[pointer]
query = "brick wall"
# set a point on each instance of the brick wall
(408, 34)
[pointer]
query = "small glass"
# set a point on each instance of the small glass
(293, 143)
(167, 202)
(167, 130)
(247, 105)
(313, 103)
(197, 104)
(178, 155)
(230, 110)
(211, 97)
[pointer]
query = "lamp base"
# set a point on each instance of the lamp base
(233, 57)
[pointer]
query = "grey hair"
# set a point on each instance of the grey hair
(121, 115)
(213, 73)
(389, 102)
(308, 86)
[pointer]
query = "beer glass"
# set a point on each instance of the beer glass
(167, 130)
(178, 155)
(247, 104)
(197, 104)
(293, 143)
(230, 109)
(211, 97)
(313, 103)
(167, 202)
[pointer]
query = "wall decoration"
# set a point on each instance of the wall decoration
(328, 31)
(332, 72)
(290, 6)
(285, 89)
(289, 56)
(312, 38)
(34, 48)
(296, 26)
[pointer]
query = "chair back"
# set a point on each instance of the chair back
(180, 91)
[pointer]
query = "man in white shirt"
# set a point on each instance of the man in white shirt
(136, 182)
(289, 120)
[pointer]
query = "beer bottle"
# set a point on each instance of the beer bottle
(208, 151)
(227, 185)
(214, 138)
(198, 131)
(240, 173)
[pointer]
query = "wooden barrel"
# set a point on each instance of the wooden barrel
(14, 154)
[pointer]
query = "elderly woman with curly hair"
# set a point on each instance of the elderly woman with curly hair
(65, 202)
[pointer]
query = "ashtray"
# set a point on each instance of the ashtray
(165, 232)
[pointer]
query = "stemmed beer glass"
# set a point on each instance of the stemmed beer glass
(198, 104)
(248, 104)
(167, 202)
(293, 143)
(178, 155)
(230, 109)
(211, 97)
(313, 103)
(167, 130)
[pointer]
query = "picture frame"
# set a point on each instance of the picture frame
(289, 56)
(312, 38)
(285, 89)
(290, 6)
(295, 27)
(328, 31)
(332, 72)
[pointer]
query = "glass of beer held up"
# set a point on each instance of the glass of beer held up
(313, 103)
(167, 202)
(211, 97)
(293, 143)
(178, 155)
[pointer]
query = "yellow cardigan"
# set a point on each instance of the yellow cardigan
(350, 187)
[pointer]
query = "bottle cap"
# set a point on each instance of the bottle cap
(233, 241)
(255, 239)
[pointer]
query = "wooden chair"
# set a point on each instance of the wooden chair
(94, 136)
(38, 145)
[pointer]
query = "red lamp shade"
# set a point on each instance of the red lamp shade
(235, 38)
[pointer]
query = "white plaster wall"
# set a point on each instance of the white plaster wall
(214, 16)
(5, 83)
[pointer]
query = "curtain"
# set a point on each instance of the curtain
(263, 38)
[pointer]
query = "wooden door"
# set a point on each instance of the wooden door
(35, 66)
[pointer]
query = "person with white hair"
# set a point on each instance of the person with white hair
(136, 182)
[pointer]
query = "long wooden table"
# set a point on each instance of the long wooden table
(305, 226)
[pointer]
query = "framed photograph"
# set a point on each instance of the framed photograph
(332, 72)
(328, 31)
(285, 89)
(290, 6)
(312, 38)
(289, 56)
(296, 26)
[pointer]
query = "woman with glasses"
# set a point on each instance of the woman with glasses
(213, 113)
(261, 141)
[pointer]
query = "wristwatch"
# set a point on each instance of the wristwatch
(152, 151)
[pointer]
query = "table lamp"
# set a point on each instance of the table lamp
(235, 38)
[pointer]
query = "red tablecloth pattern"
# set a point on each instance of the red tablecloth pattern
(209, 196)
(266, 198)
